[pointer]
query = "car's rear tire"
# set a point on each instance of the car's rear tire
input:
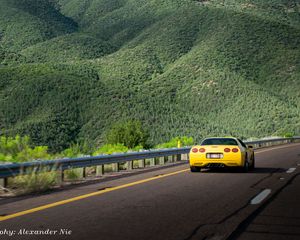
(195, 169)
(246, 166)
(253, 162)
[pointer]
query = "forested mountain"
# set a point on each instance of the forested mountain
(71, 68)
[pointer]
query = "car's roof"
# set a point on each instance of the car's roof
(221, 137)
(219, 141)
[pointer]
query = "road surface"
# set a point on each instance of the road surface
(169, 204)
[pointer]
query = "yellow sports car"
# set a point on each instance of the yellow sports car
(221, 152)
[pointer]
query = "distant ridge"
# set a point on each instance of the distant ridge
(71, 68)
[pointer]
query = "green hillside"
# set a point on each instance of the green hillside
(196, 68)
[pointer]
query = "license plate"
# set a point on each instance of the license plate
(214, 155)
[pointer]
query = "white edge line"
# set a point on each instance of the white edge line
(290, 170)
(260, 197)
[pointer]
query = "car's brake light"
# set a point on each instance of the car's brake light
(235, 150)
(202, 150)
(194, 150)
(227, 150)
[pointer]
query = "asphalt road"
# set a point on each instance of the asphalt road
(170, 203)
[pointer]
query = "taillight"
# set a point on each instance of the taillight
(194, 150)
(202, 150)
(227, 150)
(235, 150)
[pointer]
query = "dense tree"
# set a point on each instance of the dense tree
(129, 133)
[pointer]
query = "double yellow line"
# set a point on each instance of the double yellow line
(51, 205)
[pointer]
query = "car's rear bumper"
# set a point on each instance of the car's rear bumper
(216, 164)
(209, 163)
(228, 160)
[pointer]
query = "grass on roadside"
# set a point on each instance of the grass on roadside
(33, 183)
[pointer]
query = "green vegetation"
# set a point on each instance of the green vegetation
(73, 174)
(77, 150)
(183, 141)
(18, 150)
(130, 133)
(33, 183)
(70, 70)
(110, 149)
(288, 134)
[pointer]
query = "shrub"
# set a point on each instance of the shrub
(137, 148)
(18, 149)
(12, 146)
(76, 150)
(184, 141)
(33, 182)
(73, 174)
(288, 134)
(129, 133)
(110, 149)
(28, 154)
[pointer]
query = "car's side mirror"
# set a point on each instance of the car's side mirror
(250, 146)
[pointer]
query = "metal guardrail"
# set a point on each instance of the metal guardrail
(162, 155)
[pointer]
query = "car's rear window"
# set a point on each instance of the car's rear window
(219, 141)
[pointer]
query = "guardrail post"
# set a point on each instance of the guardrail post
(142, 163)
(161, 160)
(84, 172)
(129, 165)
(60, 176)
(178, 157)
(152, 162)
(115, 167)
(100, 170)
(3, 182)
(185, 156)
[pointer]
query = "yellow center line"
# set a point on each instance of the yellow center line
(51, 205)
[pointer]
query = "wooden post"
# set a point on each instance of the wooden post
(60, 176)
(83, 172)
(100, 170)
(115, 167)
(152, 162)
(3, 182)
(129, 166)
(142, 163)
(162, 160)
(185, 157)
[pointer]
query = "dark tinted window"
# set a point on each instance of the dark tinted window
(219, 141)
